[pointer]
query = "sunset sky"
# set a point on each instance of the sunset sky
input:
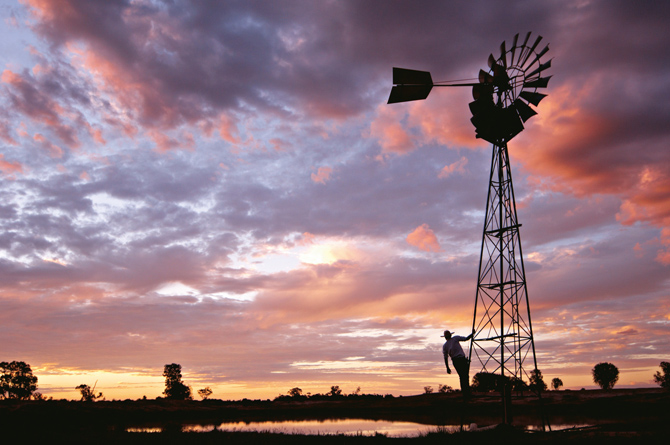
(222, 185)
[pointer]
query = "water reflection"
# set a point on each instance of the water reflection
(361, 427)
(331, 426)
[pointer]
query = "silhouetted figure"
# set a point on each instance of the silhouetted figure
(452, 348)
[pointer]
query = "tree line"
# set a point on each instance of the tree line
(18, 382)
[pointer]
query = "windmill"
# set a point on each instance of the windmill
(503, 95)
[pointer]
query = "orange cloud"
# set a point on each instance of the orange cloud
(424, 238)
(322, 175)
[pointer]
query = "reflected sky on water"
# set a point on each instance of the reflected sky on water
(362, 427)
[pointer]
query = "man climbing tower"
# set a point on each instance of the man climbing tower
(452, 348)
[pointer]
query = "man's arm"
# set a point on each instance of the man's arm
(459, 338)
(446, 362)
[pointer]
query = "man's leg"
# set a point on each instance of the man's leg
(463, 369)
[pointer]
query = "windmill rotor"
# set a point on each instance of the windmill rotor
(503, 98)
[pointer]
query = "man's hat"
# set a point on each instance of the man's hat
(445, 333)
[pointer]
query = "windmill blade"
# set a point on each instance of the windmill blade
(491, 61)
(523, 47)
(543, 52)
(530, 51)
(503, 54)
(539, 69)
(533, 98)
(537, 83)
(407, 93)
(485, 77)
(511, 124)
(525, 111)
(538, 55)
(403, 76)
(511, 58)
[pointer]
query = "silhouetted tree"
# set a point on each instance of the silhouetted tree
(175, 389)
(605, 375)
(444, 388)
(295, 392)
(39, 396)
(87, 394)
(17, 380)
(663, 379)
(335, 391)
(556, 383)
(487, 381)
(205, 392)
(536, 381)
(427, 389)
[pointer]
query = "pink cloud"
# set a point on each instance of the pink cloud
(228, 129)
(424, 238)
(306, 239)
(322, 175)
(10, 168)
(30, 100)
(5, 134)
(166, 143)
(387, 128)
(52, 149)
(458, 166)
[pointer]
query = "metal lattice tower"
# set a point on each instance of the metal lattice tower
(503, 339)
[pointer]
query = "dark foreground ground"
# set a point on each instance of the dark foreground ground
(618, 416)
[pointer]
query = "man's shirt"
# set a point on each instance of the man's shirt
(452, 347)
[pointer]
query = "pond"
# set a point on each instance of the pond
(363, 427)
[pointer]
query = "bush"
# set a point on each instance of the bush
(605, 375)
